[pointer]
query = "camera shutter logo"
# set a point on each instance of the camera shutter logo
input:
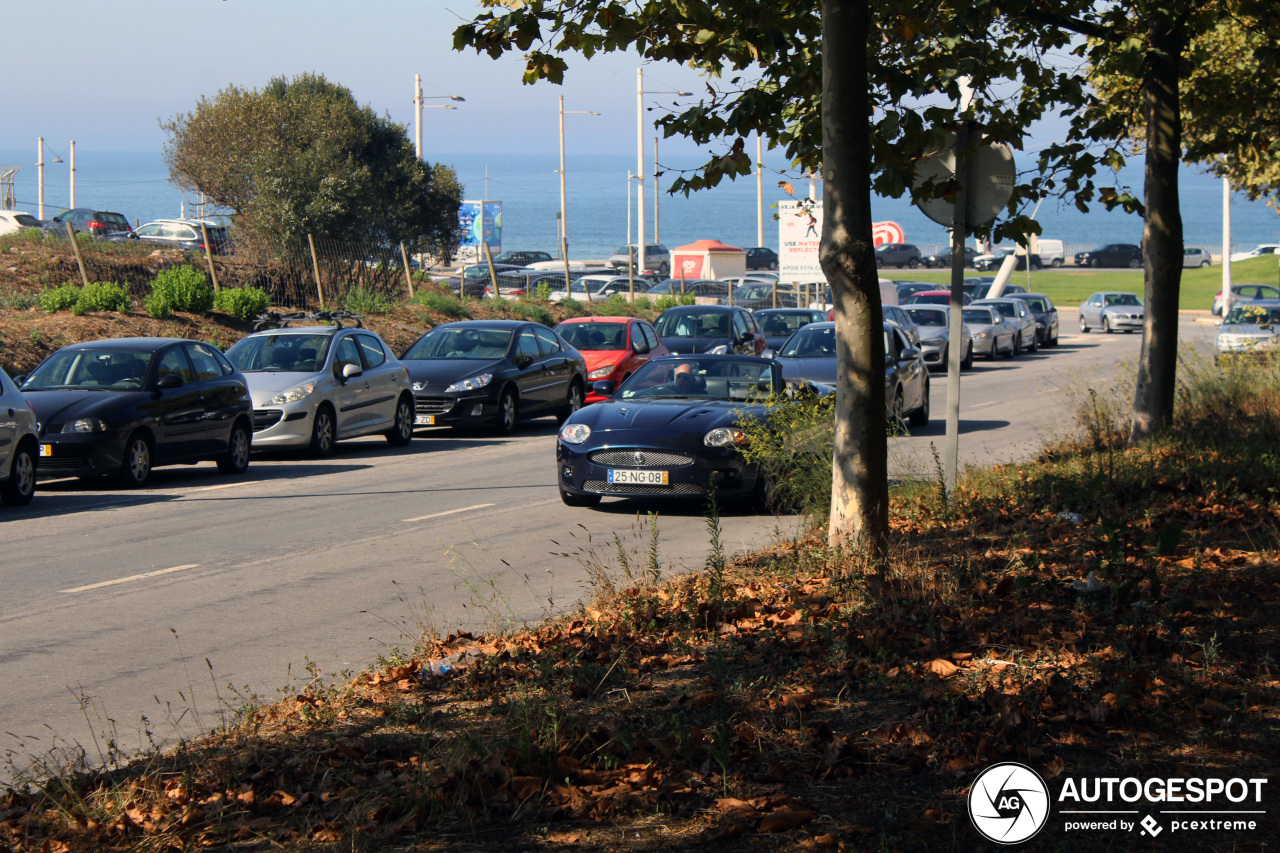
(1008, 803)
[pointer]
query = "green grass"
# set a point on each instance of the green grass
(1070, 286)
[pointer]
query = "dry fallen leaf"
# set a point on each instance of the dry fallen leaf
(784, 820)
(942, 668)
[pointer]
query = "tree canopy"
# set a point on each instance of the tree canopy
(301, 157)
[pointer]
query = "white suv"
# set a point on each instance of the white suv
(18, 445)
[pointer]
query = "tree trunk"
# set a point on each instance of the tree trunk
(860, 473)
(1162, 232)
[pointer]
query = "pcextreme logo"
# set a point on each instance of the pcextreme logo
(1009, 803)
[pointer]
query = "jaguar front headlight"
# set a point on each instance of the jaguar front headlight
(85, 425)
(475, 383)
(724, 437)
(575, 433)
(293, 395)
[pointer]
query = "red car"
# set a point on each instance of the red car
(614, 347)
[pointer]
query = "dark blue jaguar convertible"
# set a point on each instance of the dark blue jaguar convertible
(670, 430)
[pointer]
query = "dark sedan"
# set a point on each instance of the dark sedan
(122, 407)
(1046, 314)
(942, 259)
(493, 373)
(810, 355)
(714, 329)
(778, 324)
(670, 430)
(1111, 255)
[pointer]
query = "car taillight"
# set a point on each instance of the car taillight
(95, 225)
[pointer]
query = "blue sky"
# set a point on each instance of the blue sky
(104, 74)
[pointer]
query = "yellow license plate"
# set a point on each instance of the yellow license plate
(46, 450)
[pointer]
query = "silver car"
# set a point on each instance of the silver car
(935, 333)
(1111, 310)
(991, 333)
(1017, 313)
(1249, 330)
(19, 445)
(314, 385)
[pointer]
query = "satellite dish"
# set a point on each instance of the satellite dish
(990, 182)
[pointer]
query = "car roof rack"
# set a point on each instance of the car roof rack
(278, 320)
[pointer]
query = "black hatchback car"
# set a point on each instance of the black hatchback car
(102, 224)
(762, 258)
(125, 406)
(493, 373)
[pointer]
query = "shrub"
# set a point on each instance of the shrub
(363, 300)
(543, 291)
(179, 289)
(243, 302)
(572, 308)
(59, 298)
(535, 312)
(444, 303)
(793, 448)
(103, 296)
(662, 303)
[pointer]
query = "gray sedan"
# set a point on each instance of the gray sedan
(1111, 310)
(1251, 330)
(314, 385)
(1024, 322)
(992, 334)
(935, 333)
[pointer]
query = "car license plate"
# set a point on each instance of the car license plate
(424, 420)
(637, 478)
(46, 450)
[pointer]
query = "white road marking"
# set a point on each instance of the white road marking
(448, 512)
(131, 578)
(223, 486)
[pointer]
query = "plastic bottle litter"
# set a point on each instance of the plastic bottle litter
(1089, 584)
(447, 663)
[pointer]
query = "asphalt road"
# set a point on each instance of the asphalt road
(132, 616)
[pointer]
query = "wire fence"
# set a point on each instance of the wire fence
(308, 274)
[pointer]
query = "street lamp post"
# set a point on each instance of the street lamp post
(564, 230)
(418, 107)
(640, 128)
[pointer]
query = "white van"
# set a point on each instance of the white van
(1051, 252)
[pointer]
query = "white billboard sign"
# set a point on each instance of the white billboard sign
(799, 236)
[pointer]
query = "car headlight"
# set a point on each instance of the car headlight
(724, 437)
(85, 425)
(293, 395)
(601, 372)
(419, 386)
(723, 349)
(575, 433)
(473, 384)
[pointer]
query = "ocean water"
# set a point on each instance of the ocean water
(136, 184)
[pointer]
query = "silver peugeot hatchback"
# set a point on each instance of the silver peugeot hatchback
(18, 445)
(314, 385)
